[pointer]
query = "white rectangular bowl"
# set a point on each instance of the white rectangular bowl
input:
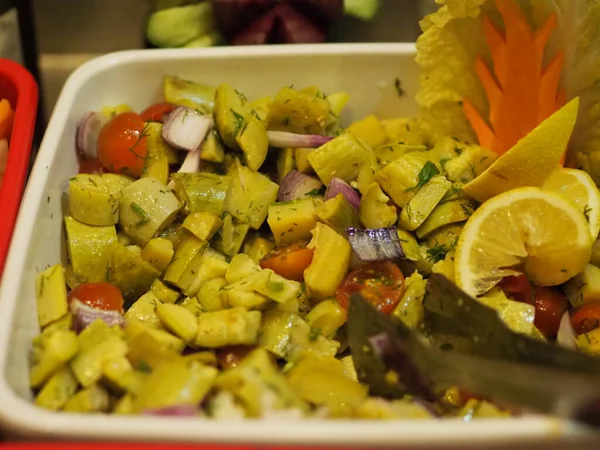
(368, 72)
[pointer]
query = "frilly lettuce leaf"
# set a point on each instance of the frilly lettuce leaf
(453, 37)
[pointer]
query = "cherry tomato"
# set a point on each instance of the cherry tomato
(380, 283)
(105, 296)
(550, 305)
(289, 261)
(586, 318)
(122, 144)
(517, 288)
(91, 166)
(157, 112)
(230, 356)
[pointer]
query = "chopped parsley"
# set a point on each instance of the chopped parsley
(428, 171)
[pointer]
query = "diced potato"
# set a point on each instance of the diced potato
(58, 390)
(144, 310)
(158, 252)
(51, 295)
(203, 224)
(57, 350)
(298, 112)
(235, 326)
(293, 221)
(370, 131)
(88, 400)
(178, 321)
(374, 209)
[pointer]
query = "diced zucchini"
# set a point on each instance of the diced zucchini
(260, 108)
(91, 202)
(178, 320)
(472, 162)
(293, 221)
(188, 93)
(285, 162)
(118, 375)
(375, 212)
(58, 390)
(366, 174)
(241, 266)
(89, 249)
(174, 233)
(238, 296)
(445, 266)
(445, 236)
(251, 195)
(337, 102)
(164, 293)
(144, 310)
(174, 383)
(518, 316)
(321, 380)
(235, 326)
(129, 272)
(391, 152)
(124, 406)
(288, 336)
(209, 295)
(148, 347)
(408, 131)
(146, 208)
(156, 164)
(445, 214)
(423, 203)
(257, 247)
(202, 192)
(327, 317)
(590, 341)
(341, 157)
(212, 149)
(231, 236)
(182, 270)
(88, 364)
(212, 265)
(51, 295)
(230, 109)
(252, 138)
(400, 178)
(447, 148)
(203, 224)
(298, 112)
(91, 399)
(158, 252)
(369, 130)
(269, 284)
(57, 350)
(254, 379)
(410, 308)
(329, 264)
(301, 160)
(339, 214)
(584, 288)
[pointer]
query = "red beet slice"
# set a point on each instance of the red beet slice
(258, 32)
(295, 28)
(323, 12)
(234, 15)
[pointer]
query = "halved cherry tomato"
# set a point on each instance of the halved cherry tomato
(105, 296)
(550, 305)
(91, 166)
(380, 283)
(122, 144)
(232, 355)
(586, 318)
(157, 112)
(289, 261)
(517, 288)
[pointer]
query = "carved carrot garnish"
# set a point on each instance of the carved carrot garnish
(521, 92)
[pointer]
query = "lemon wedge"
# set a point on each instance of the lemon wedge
(578, 187)
(526, 230)
(531, 160)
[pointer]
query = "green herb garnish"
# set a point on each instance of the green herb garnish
(428, 171)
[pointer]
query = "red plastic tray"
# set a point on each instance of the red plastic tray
(18, 86)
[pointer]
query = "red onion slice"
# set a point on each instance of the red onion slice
(283, 139)
(83, 315)
(186, 128)
(339, 186)
(296, 185)
(174, 411)
(566, 336)
(191, 164)
(375, 244)
(89, 127)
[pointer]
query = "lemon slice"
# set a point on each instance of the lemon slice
(578, 187)
(523, 230)
(531, 160)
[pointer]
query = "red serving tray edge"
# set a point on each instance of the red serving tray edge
(20, 88)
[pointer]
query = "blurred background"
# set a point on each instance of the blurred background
(66, 33)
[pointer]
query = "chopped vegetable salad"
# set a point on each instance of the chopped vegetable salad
(239, 257)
